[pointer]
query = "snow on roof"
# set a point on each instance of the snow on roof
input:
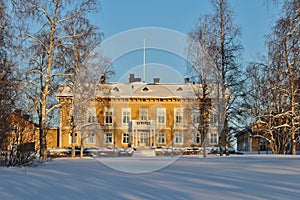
(141, 90)
(148, 90)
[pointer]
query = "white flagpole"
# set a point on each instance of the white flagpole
(144, 61)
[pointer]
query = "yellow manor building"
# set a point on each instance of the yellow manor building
(134, 114)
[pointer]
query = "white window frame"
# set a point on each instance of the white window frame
(161, 138)
(108, 112)
(141, 113)
(196, 117)
(106, 138)
(76, 138)
(91, 115)
(213, 138)
(178, 138)
(91, 138)
(213, 119)
(178, 116)
(161, 116)
(125, 138)
(126, 116)
(196, 135)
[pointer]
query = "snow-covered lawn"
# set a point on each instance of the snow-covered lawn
(188, 177)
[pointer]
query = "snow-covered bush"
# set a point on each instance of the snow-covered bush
(18, 158)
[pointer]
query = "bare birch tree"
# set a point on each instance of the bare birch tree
(80, 50)
(45, 44)
(203, 74)
(8, 83)
(275, 84)
(218, 33)
(87, 82)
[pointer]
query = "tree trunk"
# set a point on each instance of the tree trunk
(204, 147)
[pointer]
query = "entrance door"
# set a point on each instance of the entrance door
(143, 139)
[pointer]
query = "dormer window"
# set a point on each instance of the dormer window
(115, 89)
(145, 89)
(179, 89)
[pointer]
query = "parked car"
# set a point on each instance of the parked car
(89, 151)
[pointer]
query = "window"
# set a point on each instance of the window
(91, 115)
(213, 119)
(91, 119)
(108, 116)
(91, 138)
(125, 139)
(178, 138)
(161, 138)
(143, 114)
(213, 138)
(196, 138)
(75, 140)
(126, 115)
(178, 116)
(108, 138)
(195, 117)
(161, 116)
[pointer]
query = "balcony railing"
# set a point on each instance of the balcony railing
(143, 123)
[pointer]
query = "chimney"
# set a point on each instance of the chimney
(156, 80)
(102, 79)
(132, 79)
(186, 80)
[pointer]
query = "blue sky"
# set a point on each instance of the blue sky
(115, 16)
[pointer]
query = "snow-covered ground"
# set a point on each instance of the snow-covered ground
(186, 177)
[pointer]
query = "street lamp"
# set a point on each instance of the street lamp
(114, 138)
(172, 138)
(73, 134)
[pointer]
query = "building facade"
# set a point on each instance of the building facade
(17, 131)
(252, 139)
(134, 114)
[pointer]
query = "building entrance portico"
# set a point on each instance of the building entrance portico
(143, 133)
